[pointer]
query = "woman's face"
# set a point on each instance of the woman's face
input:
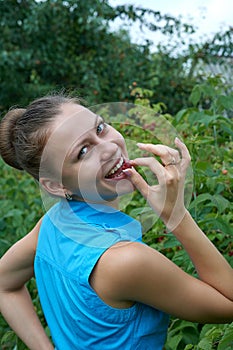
(87, 155)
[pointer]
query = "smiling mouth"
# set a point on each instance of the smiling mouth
(116, 171)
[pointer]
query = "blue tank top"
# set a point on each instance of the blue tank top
(72, 238)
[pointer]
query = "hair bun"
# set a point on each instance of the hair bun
(7, 137)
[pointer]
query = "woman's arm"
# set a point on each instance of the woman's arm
(167, 199)
(213, 295)
(211, 266)
(16, 268)
(134, 272)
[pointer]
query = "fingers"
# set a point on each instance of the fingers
(137, 181)
(174, 167)
(154, 166)
(168, 155)
(185, 160)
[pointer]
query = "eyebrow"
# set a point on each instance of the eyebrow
(73, 150)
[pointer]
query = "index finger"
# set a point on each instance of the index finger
(186, 158)
(167, 154)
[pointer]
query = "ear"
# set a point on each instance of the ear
(53, 187)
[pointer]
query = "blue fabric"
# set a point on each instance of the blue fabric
(72, 238)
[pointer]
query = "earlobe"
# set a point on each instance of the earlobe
(53, 187)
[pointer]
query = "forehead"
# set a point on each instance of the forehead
(73, 123)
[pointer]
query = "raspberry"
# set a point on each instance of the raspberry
(126, 165)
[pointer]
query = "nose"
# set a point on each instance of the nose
(107, 150)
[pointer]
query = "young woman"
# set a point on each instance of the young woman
(100, 287)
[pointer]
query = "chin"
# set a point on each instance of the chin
(123, 187)
(107, 192)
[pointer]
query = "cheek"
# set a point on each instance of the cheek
(87, 174)
(88, 184)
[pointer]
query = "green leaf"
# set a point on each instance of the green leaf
(226, 101)
(171, 243)
(218, 223)
(190, 347)
(181, 325)
(205, 344)
(216, 200)
(195, 95)
(174, 341)
(227, 129)
(208, 90)
(207, 119)
(180, 115)
(201, 118)
(9, 336)
(200, 199)
(201, 165)
(139, 211)
(226, 343)
(220, 202)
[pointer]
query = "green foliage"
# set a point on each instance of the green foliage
(175, 69)
(20, 205)
(55, 44)
(185, 335)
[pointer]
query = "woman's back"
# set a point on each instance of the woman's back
(78, 318)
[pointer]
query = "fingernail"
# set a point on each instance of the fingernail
(178, 140)
(140, 144)
(127, 172)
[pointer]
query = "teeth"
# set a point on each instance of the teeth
(116, 167)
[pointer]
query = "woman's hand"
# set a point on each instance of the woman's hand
(167, 197)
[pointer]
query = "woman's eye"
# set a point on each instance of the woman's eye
(82, 152)
(100, 128)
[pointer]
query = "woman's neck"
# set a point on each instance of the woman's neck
(111, 203)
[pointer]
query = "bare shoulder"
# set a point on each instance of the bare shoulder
(122, 258)
(117, 271)
(130, 257)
